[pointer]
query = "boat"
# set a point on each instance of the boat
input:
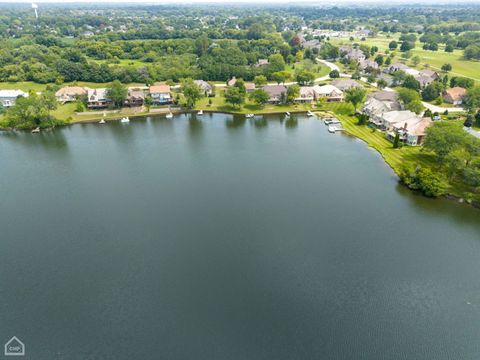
(169, 115)
(36, 130)
(102, 121)
(309, 113)
(287, 113)
(249, 116)
(332, 121)
(200, 113)
(331, 129)
(125, 120)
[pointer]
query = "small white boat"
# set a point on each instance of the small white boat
(287, 113)
(200, 113)
(331, 129)
(125, 120)
(36, 130)
(309, 113)
(102, 121)
(249, 116)
(169, 115)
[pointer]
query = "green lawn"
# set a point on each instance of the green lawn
(30, 85)
(435, 59)
(396, 158)
(218, 104)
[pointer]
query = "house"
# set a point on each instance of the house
(424, 80)
(160, 94)
(345, 84)
(206, 87)
(352, 54)
(396, 67)
(232, 81)
(367, 65)
(306, 95)
(135, 97)
(384, 95)
(275, 93)
(411, 132)
(386, 120)
(249, 86)
(329, 92)
(430, 73)
(97, 98)
(376, 108)
(262, 62)
(454, 95)
(8, 97)
(312, 44)
(70, 93)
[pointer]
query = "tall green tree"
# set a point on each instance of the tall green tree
(355, 96)
(192, 92)
(234, 96)
(117, 93)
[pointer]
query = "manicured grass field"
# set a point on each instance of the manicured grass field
(30, 85)
(435, 59)
(396, 158)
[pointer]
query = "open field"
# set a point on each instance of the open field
(435, 59)
(32, 86)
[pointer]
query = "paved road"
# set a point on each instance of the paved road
(441, 110)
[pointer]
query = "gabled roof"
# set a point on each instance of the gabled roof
(275, 90)
(71, 91)
(12, 93)
(326, 89)
(455, 93)
(159, 89)
(344, 84)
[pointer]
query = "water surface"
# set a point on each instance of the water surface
(223, 238)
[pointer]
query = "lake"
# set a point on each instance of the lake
(217, 237)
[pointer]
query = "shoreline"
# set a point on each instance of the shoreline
(449, 196)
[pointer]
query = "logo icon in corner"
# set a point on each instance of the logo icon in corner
(14, 347)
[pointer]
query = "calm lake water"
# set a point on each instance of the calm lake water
(220, 238)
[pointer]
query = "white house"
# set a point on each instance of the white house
(329, 92)
(411, 132)
(386, 120)
(8, 97)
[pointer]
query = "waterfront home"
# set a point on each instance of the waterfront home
(135, 97)
(249, 87)
(205, 86)
(160, 94)
(454, 95)
(424, 80)
(411, 132)
(8, 97)
(328, 92)
(98, 99)
(70, 93)
(306, 95)
(345, 84)
(275, 93)
(386, 120)
(375, 109)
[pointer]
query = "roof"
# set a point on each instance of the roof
(71, 90)
(97, 94)
(384, 95)
(232, 81)
(399, 116)
(134, 92)
(205, 86)
(250, 86)
(455, 93)
(275, 90)
(160, 89)
(262, 62)
(326, 89)
(344, 84)
(12, 93)
(374, 106)
(414, 126)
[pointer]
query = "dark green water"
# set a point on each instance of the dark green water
(228, 239)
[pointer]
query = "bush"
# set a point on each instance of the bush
(423, 180)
